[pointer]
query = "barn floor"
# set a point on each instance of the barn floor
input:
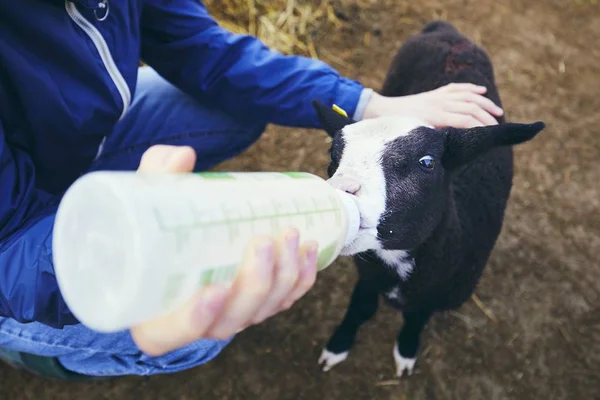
(540, 335)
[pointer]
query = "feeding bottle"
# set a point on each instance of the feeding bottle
(130, 246)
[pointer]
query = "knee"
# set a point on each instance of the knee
(156, 96)
(153, 87)
(179, 119)
(216, 148)
(253, 133)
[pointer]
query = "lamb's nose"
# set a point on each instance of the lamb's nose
(345, 183)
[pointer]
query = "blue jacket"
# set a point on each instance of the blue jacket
(66, 78)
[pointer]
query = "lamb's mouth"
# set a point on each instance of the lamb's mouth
(368, 229)
(366, 225)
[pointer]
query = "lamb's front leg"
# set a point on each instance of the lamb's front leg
(407, 343)
(363, 305)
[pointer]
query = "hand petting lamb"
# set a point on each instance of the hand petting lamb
(432, 201)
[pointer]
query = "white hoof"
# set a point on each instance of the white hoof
(329, 360)
(403, 364)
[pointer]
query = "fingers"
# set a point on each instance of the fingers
(471, 93)
(290, 287)
(270, 280)
(286, 275)
(183, 326)
(216, 312)
(162, 158)
(466, 107)
(461, 121)
(483, 102)
(473, 110)
(464, 87)
(250, 291)
(307, 275)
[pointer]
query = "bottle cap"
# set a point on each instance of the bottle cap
(353, 215)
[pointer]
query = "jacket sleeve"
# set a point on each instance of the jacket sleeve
(28, 289)
(238, 73)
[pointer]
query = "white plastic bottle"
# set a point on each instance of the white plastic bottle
(130, 246)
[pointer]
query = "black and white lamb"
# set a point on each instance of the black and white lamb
(432, 201)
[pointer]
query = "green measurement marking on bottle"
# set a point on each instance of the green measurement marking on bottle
(158, 218)
(325, 256)
(220, 274)
(224, 274)
(298, 175)
(226, 221)
(173, 286)
(247, 175)
(216, 175)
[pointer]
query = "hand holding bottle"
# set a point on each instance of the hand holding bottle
(275, 273)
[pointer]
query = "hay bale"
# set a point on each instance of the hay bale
(285, 25)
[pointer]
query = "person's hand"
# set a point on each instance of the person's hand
(274, 274)
(460, 105)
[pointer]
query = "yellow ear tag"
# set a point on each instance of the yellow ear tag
(339, 110)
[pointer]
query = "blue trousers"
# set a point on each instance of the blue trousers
(160, 114)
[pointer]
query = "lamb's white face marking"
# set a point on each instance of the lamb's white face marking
(364, 143)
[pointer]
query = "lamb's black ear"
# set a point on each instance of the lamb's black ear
(331, 120)
(464, 145)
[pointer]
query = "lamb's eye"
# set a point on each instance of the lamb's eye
(427, 162)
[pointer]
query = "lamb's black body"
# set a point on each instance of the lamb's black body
(459, 249)
(449, 263)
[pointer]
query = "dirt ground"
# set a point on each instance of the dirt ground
(540, 338)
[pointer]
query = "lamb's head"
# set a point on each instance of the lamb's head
(400, 171)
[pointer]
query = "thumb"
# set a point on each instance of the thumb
(163, 158)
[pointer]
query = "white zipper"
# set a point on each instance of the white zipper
(105, 55)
